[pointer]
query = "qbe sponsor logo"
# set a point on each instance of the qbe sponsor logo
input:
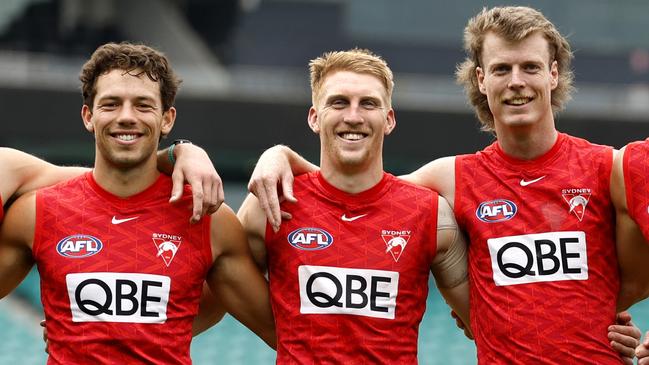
(118, 297)
(551, 256)
(360, 292)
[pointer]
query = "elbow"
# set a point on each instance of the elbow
(631, 293)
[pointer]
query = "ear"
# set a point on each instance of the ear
(314, 123)
(554, 73)
(168, 120)
(479, 73)
(391, 122)
(86, 116)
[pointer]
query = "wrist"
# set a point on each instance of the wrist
(172, 151)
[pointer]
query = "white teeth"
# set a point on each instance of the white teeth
(352, 136)
(518, 101)
(126, 137)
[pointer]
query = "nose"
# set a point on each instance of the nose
(126, 114)
(517, 79)
(353, 114)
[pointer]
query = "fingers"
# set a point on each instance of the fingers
(624, 339)
(177, 180)
(271, 207)
(197, 203)
(623, 317)
(218, 197)
(642, 352)
(287, 188)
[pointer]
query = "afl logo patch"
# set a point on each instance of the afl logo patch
(496, 211)
(310, 239)
(78, 246)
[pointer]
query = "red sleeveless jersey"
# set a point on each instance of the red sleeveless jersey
(349, 272)
(121, 279)
(542, 261)
(636, 182)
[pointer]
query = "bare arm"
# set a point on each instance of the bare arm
(210, 312)
(450, 267)
(277, 166)
(22, 173)
(438, 175)
(236, 280)
(253, 219)
(632, 250)
(16, 235)
(193, 166)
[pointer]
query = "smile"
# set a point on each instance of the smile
(352, 136)
(519, 100)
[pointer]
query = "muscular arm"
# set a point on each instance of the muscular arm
(632, 250)
(450, 264)
(210, 312)
(253, 219)
(22, 172)
(438, 175)
(236, 280)
(16, 235)
(277, 166)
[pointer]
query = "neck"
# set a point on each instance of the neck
(526, 142)
(352, 180)
(125, 182)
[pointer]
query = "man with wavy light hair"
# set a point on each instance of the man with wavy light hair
(535, 260)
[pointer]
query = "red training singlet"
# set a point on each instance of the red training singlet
(349, 272)
(542, 261)
(636, 183)
(121, 279)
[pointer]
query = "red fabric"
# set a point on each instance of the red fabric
(556, 312)
(130, 249)
(636, 182)
(392, 211)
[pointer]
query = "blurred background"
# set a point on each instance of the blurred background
(244, 66)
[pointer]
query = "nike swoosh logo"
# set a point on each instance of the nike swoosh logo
(526, 182)
(351, 219)
(120, 221)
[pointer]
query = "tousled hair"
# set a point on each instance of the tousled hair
(514, 23)
(356, 60)
(129, 57)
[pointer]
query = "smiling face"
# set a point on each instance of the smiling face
(352, 114)
(518, 79)
(127, 119)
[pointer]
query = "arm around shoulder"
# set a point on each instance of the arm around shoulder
(235, 278)
(450, 265)
(438, 175)
(16, 235)
(632, 249)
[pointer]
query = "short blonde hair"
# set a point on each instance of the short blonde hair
(513, 23)
(357, 60)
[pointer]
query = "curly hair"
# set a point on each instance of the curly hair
(513, 23)
(129, 57)
(357, 60)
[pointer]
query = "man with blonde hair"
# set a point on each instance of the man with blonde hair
(349, 272)
(536, 204)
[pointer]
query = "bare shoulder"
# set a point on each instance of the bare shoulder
(20, 221)
(226, 231)
(252, 216)
(438, 175)
(447, 228)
